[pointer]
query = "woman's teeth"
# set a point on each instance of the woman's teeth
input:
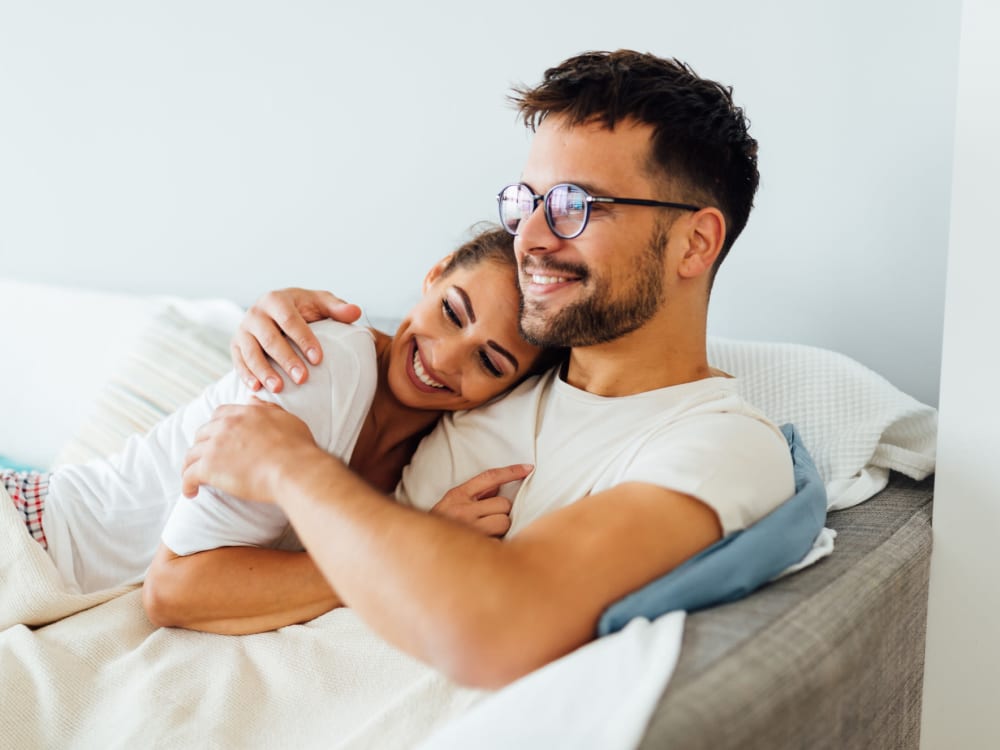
(418, 367)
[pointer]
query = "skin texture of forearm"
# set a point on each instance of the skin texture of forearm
(424, 603)
(235, 590)
(483, 612)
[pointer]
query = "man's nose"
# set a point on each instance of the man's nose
(534, 234)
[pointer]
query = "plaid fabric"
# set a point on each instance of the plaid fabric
(28, 490)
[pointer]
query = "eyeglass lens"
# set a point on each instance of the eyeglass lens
(565, 208)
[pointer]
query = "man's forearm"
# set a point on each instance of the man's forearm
(236, 590)
(416, 579)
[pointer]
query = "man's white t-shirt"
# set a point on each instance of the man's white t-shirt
(103, 520)
(700, 438)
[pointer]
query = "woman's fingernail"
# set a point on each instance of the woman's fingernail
(297, 373)
(313, 356)
(271, 384)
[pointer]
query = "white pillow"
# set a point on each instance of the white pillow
(183, 348)
(856, 424)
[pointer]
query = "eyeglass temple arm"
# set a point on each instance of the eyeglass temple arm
(644, 202)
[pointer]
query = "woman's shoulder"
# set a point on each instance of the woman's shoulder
(343, 337)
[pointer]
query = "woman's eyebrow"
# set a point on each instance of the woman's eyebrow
(466, 302)
(471, 313)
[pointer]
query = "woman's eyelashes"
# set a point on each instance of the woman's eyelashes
(484, 358)
(450, 313)
(491, 368)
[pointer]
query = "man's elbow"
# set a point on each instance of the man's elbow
(490, 661)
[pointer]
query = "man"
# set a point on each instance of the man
(639, 178)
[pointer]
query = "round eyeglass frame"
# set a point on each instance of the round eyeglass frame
(588, 201)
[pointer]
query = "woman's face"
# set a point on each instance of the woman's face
(460, 346)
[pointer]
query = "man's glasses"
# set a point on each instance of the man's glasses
(567, 207)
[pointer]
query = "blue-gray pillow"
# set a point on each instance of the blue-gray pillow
(743, 561)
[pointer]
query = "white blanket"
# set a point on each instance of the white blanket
(100, 675)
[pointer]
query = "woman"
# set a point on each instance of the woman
(370, 402)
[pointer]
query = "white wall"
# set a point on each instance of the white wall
(961, 697)
(222, 147)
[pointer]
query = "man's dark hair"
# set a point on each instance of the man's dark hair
(700, 140)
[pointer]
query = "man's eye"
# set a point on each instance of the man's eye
(490, 367)
(450, 313)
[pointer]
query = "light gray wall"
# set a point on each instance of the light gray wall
(224, 148)
(963, 653)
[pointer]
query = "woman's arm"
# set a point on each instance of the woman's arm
(235, 590)
(272, 318)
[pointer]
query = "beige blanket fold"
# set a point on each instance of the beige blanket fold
(87, 671)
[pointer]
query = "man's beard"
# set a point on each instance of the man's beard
(598, 318)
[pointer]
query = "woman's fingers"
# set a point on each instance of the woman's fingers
(488, 483)
(496, 525)
(492, 506)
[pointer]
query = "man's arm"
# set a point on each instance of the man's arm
(240, 590)
(484, 612)
(235, 590)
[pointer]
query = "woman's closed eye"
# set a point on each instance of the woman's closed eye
(450, 313)
(488, 365)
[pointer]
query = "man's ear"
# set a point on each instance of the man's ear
(436, 270)
(706, 235)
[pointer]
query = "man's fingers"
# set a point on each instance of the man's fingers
(330, 305)
(487, 483)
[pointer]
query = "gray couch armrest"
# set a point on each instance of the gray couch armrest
(828, 658)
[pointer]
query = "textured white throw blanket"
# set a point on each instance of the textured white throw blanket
(104, 677)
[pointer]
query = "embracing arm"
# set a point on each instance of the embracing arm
(235, 590)
(270, 323)
(482, 611)
(240, 590)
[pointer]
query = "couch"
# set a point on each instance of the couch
(828, 657)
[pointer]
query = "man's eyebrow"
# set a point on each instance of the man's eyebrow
(500, 350)
(466, 302)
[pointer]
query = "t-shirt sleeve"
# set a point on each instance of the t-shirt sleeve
(735, 463)
(333, 403)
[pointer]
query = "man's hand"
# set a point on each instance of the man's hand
(475, 502)
(242, 450)
(286, 312)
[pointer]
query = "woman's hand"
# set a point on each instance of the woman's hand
(244, 450)
(272, 318)
(476, 503)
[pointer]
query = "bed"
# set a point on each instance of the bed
(831, 656)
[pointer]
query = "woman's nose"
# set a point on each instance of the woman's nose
(449, 354)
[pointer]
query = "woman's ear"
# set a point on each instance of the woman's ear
(436, 270)
(706, 235)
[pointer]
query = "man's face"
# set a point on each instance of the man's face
(609, 280)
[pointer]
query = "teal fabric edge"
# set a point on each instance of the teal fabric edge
(9, 463)
(742, 562)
